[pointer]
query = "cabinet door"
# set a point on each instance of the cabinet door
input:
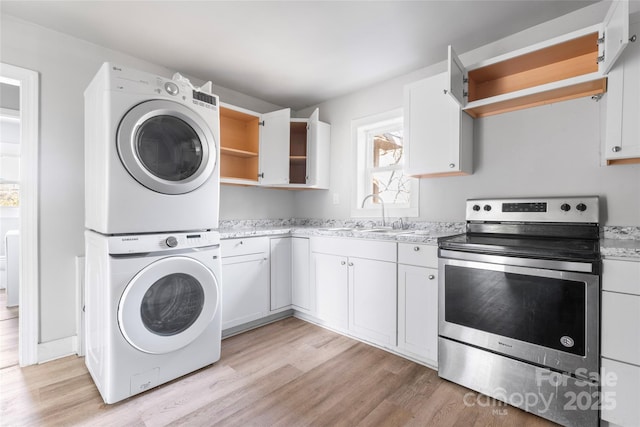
(457, 77)
(274, 147)
(616, 34)
(245, 289)
(312, 147)
(438, 135)
(372, 298)
(280, 260)
(620, 393)
(301, 284)
(623, 105)
(329, 275)
(418, 312)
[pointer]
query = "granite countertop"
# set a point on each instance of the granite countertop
(618, 242)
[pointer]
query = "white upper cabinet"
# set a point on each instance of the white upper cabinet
(621, 142)
(309, 152)
(274, 147)
(438, 134)
(565, 67)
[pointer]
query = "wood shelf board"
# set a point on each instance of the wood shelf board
(589, 88)
(228, 113)
(557, 71)
(587, 44)
(298, 158)
(632, 161)
(237, 153)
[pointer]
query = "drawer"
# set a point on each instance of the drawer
(621, 276)
(251, 245)
(620, 393)
(620, 320)
(418, 254)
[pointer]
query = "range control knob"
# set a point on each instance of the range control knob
(581, 207)
(171, 241)
(476, 208)
(487, 208)
(565, 207)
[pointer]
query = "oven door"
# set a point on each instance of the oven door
(546, 316)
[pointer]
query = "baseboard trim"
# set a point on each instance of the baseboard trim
(48, 351)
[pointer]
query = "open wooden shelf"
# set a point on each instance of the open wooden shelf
(556, 63)
(296, 159)
(239, 145)
(237, 153)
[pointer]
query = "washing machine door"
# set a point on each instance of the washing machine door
(168, 304)
(166, 146)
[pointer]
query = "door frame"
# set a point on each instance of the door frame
(29, 269)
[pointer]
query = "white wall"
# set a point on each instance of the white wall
(548, 150)
(66, 65)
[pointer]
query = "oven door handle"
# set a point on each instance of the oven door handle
(548, 264)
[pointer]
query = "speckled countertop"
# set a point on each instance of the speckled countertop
(617, 242)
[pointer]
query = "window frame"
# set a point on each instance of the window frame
(363, 172)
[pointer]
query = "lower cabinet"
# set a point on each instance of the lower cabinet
(620, 342)
(245, 280)
(280, 253)
(301, 292)
(418, 312)
(418, 301)
(331, 279)
(355, 287)
(372, 299)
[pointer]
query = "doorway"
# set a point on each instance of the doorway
(23, 185)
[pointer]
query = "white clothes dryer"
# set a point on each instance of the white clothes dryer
(152, 309)
(151, 154)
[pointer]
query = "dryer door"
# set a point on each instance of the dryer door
(168, 304)
(166, 147)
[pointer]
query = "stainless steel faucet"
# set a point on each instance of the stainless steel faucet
(381, 203)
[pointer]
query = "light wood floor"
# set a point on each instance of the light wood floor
(289, 373)
(8, 333)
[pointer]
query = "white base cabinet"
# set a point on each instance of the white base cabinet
(355, 287)
(245, 281)
(372, 296)
(280, 261)
(301, 291)
(620, 342)
(418, 302)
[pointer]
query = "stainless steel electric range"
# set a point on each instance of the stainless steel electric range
(519, 305)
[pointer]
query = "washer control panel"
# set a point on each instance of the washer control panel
(150, 243)
(549, 209)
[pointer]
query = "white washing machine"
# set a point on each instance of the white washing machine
(152, 309)
(151, 154)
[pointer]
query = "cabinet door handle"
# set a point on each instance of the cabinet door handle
(452, 165)
(350, 264)
(616, 148)
(431, 277)
(416, 248)
(343, 262)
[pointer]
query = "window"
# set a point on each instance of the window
(380, 159)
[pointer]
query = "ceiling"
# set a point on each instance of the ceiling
(291, 53)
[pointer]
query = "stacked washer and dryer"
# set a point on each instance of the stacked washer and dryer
(152, 275)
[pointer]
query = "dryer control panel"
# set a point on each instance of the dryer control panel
(151, 243)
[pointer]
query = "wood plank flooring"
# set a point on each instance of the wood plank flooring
(289, 373)
(8, 332)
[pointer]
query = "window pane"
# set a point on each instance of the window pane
(392, 186)
(387, 149)
(10, 195)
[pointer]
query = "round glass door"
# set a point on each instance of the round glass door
(168, 304)
(166, 147)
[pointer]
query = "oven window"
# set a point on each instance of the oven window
(539, 310)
